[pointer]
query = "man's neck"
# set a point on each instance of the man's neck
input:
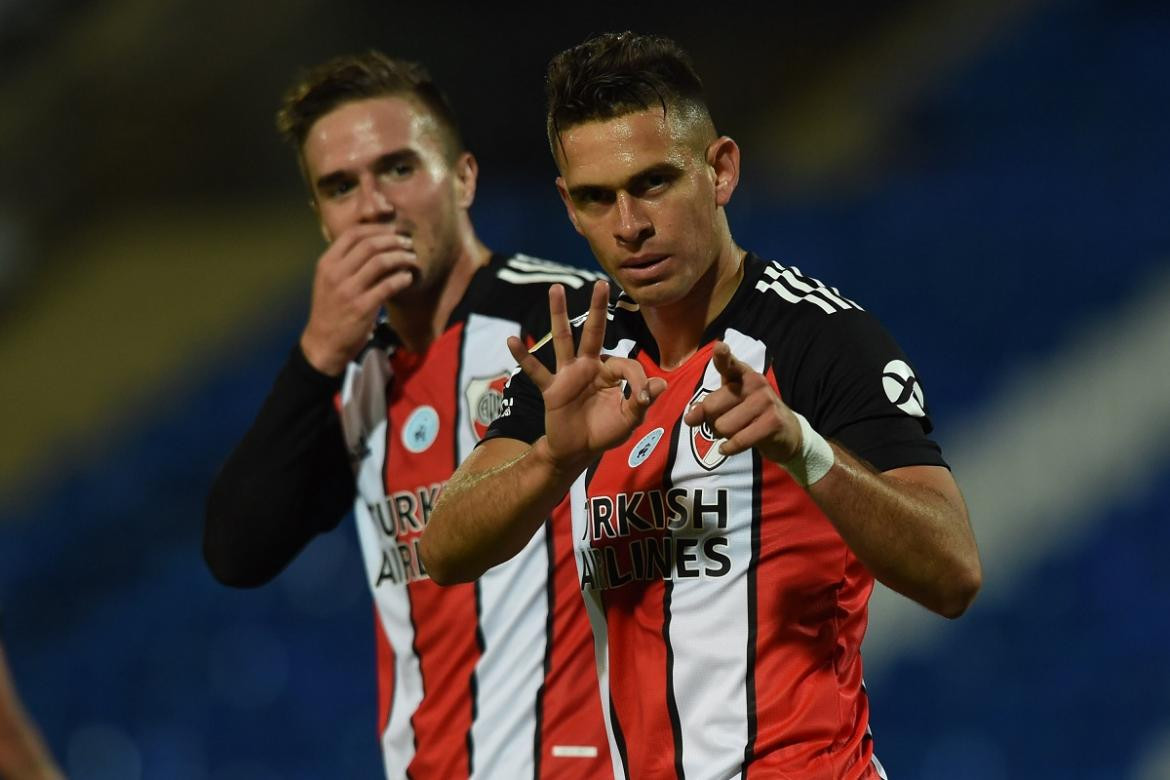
(678, 328)
(419, 322)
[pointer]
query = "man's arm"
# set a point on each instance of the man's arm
(286, 481)
(289, 478)
(500, 495)
(908, 525)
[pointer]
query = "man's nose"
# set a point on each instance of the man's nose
(633, 224)
(375, 206)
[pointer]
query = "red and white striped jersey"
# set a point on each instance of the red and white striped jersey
(493, 679)
(727, 612)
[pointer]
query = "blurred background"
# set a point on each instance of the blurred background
(988, 176)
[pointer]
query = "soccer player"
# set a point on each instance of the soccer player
(491, 679)
(745, 450)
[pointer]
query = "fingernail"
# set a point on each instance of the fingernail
(644, 397)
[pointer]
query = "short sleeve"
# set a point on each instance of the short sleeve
(522, 412)
(854, 384)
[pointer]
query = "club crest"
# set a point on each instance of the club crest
(704, 442)
(485, 400)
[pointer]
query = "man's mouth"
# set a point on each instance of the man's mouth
(640, 262)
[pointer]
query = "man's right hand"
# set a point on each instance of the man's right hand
(363, 268)
(586, 411)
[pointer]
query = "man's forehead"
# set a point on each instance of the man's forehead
(606, 151)
(358, 129)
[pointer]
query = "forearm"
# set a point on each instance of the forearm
(913, 536)
(287, 480)
(486, 515)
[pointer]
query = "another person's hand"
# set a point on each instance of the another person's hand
(363, 268)
(586, 410)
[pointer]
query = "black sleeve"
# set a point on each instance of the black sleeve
(287, 480)
(854, 384)
(522, 413)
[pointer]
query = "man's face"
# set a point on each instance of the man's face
(381, 161)
(640, 190)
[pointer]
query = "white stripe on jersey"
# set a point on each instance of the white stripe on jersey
(363, 420)
(793, 287)
(394, 611)
(513, 600)
(513, 617)
(522, 262)
(708, 616)
(484, 354)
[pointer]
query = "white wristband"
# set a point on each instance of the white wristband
(814, 459)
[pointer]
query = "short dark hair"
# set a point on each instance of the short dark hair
(356, 77)
(615, 74)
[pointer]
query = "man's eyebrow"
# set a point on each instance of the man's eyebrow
(332, 179)
(381, 163)
(397, 156)
(658, 169)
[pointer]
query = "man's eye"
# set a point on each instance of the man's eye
(338, 189)
(400, 170)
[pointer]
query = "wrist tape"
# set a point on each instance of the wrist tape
(814, 459)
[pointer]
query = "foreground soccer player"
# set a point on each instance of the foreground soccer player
(744, 448)
(490, 680)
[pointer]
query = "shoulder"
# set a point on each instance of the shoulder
(517, 282)
(787, 309)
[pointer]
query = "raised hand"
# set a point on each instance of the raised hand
(586, 411)
(747, 411)
(364, 267)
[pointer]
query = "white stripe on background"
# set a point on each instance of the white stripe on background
(1062, 442)
(708, 616)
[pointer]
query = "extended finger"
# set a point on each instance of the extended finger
(593, 332)
(562, 334)
(729, 367)
(540, 376)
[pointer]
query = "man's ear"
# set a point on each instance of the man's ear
(563, 191)
(723, 159)
(466, 170)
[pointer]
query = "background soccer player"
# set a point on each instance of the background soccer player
(493, 679)
(726, 548)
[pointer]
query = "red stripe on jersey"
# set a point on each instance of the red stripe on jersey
(811, 608)
(444, 618)
(385, 660)
(570, 702)
(448, 653)
(635, 612)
